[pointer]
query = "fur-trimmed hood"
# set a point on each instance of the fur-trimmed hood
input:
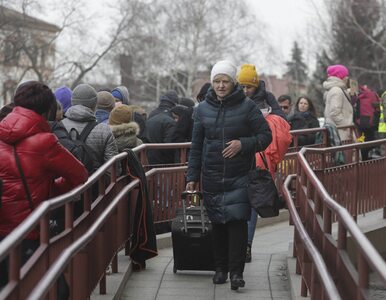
(126, 135)
(131, 128)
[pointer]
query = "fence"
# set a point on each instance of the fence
(89, 264)
(318, 211)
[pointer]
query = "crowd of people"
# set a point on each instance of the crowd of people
(234, 119)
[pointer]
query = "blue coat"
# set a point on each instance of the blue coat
(224, 181)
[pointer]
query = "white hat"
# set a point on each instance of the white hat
(224, 67)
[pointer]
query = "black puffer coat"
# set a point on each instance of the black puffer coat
(304, 121)
(160, 129)
(224, 180)
(262, 95)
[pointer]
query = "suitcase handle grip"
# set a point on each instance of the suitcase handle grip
(184, 194)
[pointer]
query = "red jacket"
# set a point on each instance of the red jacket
(281, 139)
(49, 168)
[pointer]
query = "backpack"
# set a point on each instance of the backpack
(365, 110)
(76, 144)
(333, 139)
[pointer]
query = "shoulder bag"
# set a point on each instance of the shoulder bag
(262, 191)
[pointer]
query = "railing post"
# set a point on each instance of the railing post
(80, 270)
(342, 236)
(69, 215)
(101, 185)
(15, 264)
(44, 231)
(113, 175)
(342, 245)
(357, 184)
(87, 200)
(183, 155)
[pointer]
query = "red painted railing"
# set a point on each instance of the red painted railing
(318, 206)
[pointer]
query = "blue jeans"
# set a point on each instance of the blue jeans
(252, 226)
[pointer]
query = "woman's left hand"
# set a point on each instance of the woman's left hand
(232, 149)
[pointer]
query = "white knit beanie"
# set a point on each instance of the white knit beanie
(224, 67)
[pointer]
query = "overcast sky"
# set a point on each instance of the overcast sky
(287, 21)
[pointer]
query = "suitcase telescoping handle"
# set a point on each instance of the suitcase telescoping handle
(184, 195)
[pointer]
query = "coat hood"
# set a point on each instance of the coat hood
(80, 113)
(20, 124)
(126, 135)
(260, 94)
(124, 93)
(333, 81)
(102, 116)
(131, 128)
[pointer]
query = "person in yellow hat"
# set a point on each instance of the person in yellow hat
(254, 88)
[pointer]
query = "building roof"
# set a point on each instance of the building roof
(13, 17)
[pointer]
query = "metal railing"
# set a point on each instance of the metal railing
(85, 248)
(92, 226)
(182, 148)
(81, 253)
(91, 263)
(289, 163)
(318, 211)
(321, 283)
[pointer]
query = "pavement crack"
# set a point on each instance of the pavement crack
(269, 279)
(162, 277)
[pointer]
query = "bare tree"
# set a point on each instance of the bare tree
(183, 38)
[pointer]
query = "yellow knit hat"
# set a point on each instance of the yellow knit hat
(248, 75)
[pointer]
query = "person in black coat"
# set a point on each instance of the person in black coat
(304, 117)
(184, 123)
(228, 130)
(254, 88)
(160, 127)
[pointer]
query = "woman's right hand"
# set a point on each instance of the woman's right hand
(191, 186)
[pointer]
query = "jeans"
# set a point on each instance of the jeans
(230, 245)
(252, 226)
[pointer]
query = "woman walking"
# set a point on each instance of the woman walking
(228, 130)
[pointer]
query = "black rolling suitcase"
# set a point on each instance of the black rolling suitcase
(192, 236)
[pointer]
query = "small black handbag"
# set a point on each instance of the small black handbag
(262, 191)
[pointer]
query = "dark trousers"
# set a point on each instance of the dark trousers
(229, 246)
(369, 136)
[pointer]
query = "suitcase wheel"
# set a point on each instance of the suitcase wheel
(174, 269)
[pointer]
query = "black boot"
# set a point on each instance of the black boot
(220, 277)
(237, 281)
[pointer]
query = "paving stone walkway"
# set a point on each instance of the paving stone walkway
(266, 276)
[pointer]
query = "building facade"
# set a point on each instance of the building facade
(27, 50)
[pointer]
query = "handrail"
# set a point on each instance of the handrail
(33, 219)
(367, 249)
(161, 146)
(346, 147)
(316, 257)
(42, 288)
(59, 265)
